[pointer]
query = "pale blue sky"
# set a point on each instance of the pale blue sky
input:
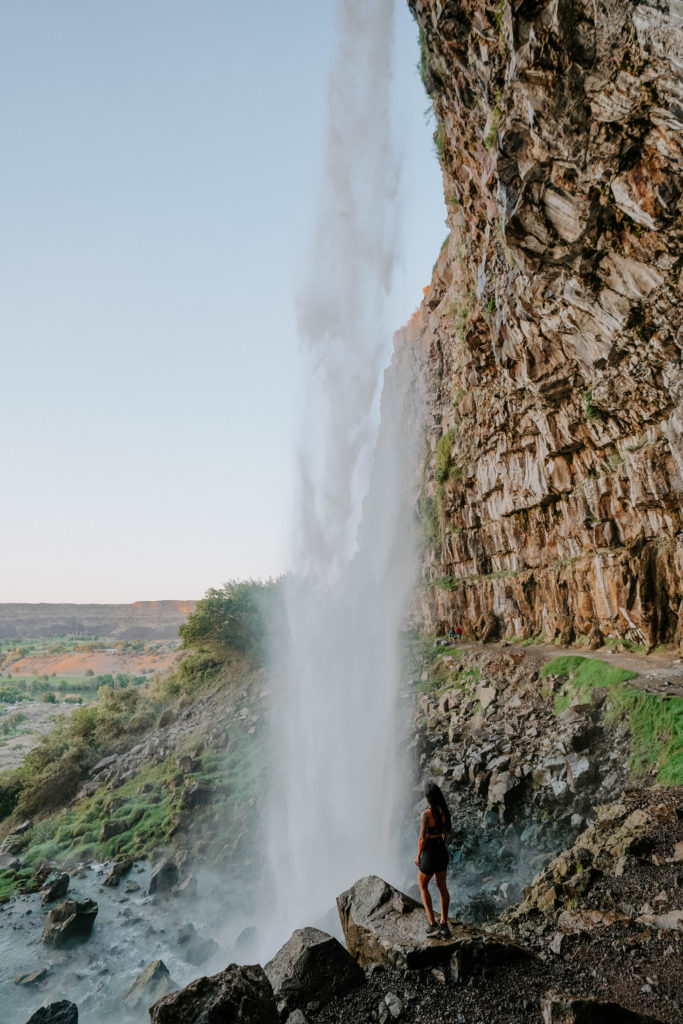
(161, 162)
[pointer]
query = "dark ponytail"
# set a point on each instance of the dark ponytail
(438, 806)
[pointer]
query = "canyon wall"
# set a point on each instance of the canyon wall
(551, 334)
(143, 620)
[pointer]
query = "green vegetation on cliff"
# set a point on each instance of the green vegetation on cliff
(655, 724)
(224, 638)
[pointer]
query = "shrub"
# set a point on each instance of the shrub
(239, 616)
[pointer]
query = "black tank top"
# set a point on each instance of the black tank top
(436, 830)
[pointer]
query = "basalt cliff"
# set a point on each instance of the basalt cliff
(550, 337)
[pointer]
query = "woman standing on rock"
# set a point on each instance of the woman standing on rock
(432, 858)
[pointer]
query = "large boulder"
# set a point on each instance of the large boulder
(559, 1008)
(312, 966)
(240, 995)
(382, 925)
(62, 1012)
(164, 876)
(69, 921)
(150, 985)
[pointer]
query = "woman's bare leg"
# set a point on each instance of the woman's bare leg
(423, 881)
(445, 895)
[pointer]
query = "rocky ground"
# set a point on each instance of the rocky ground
(531, 768)
(520, 778)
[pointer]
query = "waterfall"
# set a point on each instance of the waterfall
(334, 792)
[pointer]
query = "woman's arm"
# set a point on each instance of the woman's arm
(423, 835)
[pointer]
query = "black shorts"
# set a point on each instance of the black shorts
(434, 857)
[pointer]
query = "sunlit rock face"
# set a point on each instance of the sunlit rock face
(552, 330)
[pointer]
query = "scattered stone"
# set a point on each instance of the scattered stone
(236, 994)
(55, 889)
(70, 921)
(151, 984)
(118, 869)
(298, 1017)
(673, 921)
(62, 1012)
(33, 978)
(195, 949)
(311, 966)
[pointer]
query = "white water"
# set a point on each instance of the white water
(337, 780)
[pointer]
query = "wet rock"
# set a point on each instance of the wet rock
(188, 887)
(242, 995)
(383, 925)
(33, 978)
(564, 1009)
(55, 889)
(70, 921)
(9, 862)
(195, 949)
(164, 876)
(150, 985)
(62, 1012)
(118, 869)
(312, 966)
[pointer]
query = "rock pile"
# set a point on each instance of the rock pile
(491, 738)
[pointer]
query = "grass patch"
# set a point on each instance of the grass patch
(655, 725)
(8, 885)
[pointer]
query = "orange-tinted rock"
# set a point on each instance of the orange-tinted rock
(552, 332)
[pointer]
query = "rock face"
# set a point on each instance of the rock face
(70, 921)
(382, 925)
(238, 994)
(312, 966)
(62, 1012)
(551, 335)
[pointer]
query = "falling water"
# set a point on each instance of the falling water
(335, 790)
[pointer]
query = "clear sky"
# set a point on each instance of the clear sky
(161, 163)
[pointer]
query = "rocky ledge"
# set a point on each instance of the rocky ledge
(503, 975)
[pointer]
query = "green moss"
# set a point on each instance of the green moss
(440, 141)
(8, 885)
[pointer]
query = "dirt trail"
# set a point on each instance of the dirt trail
(660, 674)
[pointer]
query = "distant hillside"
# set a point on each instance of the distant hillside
(143, 620)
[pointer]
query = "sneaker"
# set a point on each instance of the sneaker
(444, 931)
(432, 930)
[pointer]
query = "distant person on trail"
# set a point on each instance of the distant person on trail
(458, 632)
(451, 635)
(432, 858)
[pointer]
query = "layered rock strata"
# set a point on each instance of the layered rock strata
(552, 331)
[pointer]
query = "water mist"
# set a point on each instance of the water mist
(335, 788)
